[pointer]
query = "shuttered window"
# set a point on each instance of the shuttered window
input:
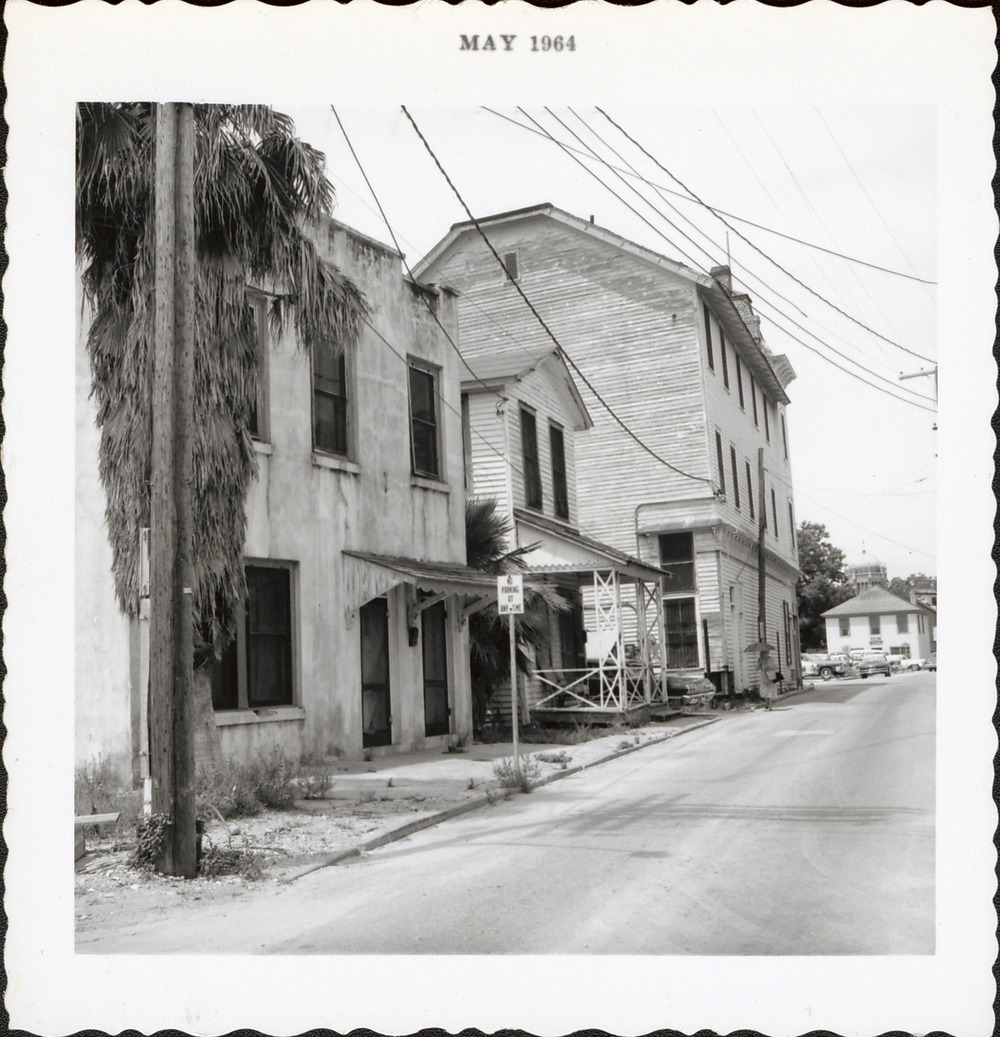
(736, 476)
(708, 337)
(750, 490)
(529, 455)
(718, 457)
(739, 378)
(557, 448)
(725, 360)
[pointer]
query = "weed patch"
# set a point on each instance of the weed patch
(510, 779)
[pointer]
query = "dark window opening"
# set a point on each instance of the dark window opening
(708, 338)
(682, 633)
(736, 476)
(529, 453)
(423, 422)
(750, 490)
(330, 403)
(725, 361)
(560, 494)
(718, 457)
(677, 558)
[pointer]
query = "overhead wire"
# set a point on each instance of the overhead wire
(562, 352)
(758, 250)
(739, 219)
(893, 383)
(792, 335)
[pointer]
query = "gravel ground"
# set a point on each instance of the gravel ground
(368, 800)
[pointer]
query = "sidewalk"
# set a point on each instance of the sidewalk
(456, 782)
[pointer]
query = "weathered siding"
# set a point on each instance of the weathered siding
(304, 510)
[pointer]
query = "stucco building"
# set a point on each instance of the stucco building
(687, 404)
(354, 634)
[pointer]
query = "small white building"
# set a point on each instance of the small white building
(354, 634)
(879, 620)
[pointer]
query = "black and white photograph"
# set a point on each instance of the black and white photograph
(479, 481)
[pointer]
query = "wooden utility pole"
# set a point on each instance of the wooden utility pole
(171, 737)
(761, 552)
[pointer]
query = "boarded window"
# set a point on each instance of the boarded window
(736, 476)
(718, 457)
(424, 421)
(708, 338)
(677, 558)
(529, 455)
(560, 494)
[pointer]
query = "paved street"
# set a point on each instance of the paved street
(805, 830)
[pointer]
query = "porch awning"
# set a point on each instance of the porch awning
(369, 575)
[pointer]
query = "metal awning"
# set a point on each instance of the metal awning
(437, 577)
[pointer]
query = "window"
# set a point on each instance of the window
(920, 622)
(875, 624)
(784, 437)
(791, 523)
(677, 558)
(708, 337)
(510, 265)
(467, 473)
(902, 623)
(725, 361)
(845, 626)
(424, 421)
(256, 669)
(529, 455)
(722, 470)
(750, 490)
(739, 378)
(736, 476)
(682, 633)
(259, 426)
(557, 448)
(774, 513)
(330, 402)
(753, 399)
(767, 421)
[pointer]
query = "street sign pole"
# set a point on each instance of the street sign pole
(513, 693)
(510, 600)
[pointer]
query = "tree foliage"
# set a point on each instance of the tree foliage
(486, 538)
(822, 585)
(257, 190)
(902, 587)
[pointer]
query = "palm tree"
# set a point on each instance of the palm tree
(258, 189)
(486, 539)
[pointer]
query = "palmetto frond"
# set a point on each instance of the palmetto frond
(257, 189)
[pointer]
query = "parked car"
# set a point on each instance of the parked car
(912, 664)
(874, 662)
(825, 666)
(931, 663)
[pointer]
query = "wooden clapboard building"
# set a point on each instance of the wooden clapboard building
(523, 416)
(679, 358)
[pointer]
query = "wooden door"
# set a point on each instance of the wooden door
(434, 638)
(376, 716)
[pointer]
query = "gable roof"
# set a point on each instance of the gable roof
(873, 601)
(719, 297)
(512, 363)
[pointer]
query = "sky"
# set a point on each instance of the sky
(854, 180)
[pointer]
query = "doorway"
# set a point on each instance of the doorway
(376, 715)
(434, 638)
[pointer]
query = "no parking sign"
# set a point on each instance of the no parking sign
(510, 595)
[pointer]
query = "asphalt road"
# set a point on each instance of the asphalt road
(805, 830)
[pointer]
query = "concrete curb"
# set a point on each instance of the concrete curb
(475, 804)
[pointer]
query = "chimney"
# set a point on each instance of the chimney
(723, 275)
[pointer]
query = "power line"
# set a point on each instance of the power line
(743, 237)
(791, 335)
(891, 382)
(733, 216)
(538, 317)
(430, 309)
